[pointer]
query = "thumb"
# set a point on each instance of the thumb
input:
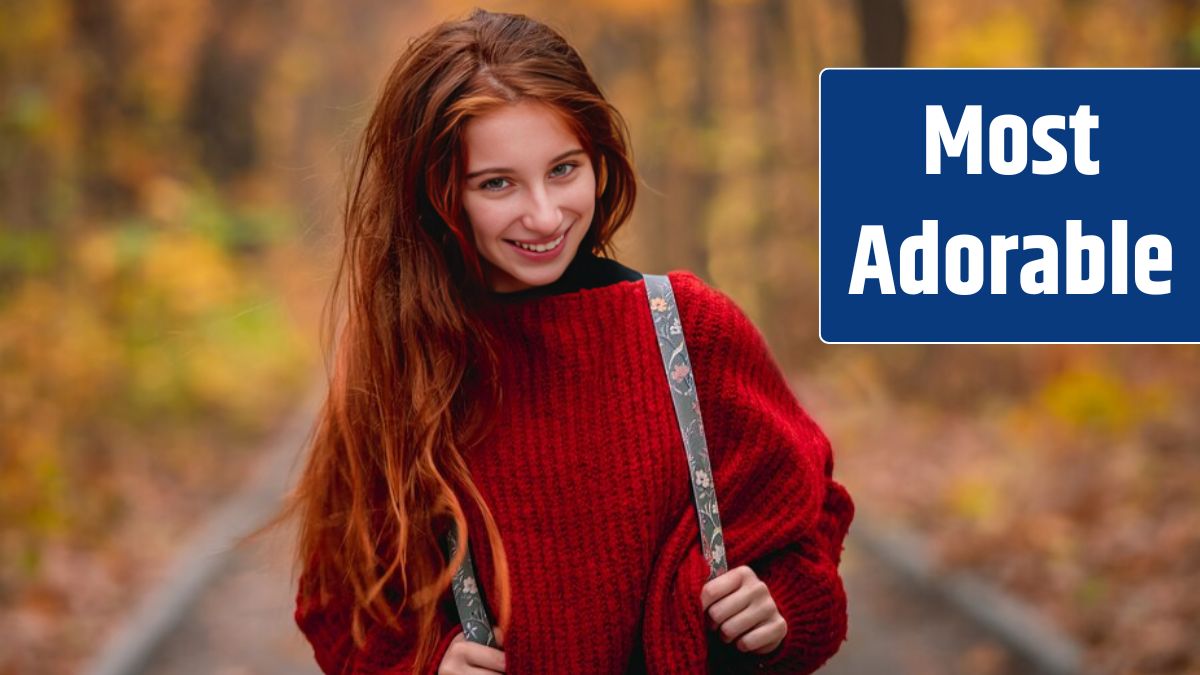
(499, 636)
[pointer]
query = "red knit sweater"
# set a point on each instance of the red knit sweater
(588, 482)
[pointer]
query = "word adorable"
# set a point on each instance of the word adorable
(1039, 275)
(968, 135)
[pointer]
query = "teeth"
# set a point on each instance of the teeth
(541, 248)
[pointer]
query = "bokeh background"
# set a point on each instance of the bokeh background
(170, 181)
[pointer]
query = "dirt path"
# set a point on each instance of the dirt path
(894, 629)
(242, 622)
(243, 626)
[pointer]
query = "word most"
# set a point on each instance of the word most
(968, 136)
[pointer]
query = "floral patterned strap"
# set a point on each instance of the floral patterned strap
(472, 611)
(669, 331)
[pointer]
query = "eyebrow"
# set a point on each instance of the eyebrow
(561, 157)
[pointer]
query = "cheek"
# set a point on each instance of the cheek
(583, 192)
(488, 217)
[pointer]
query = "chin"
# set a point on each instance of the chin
(548, 276)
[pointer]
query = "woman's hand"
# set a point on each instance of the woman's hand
(463, 658)
(740, 604)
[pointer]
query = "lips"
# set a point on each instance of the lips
(548, 244)
(538, 242)
(541, 248)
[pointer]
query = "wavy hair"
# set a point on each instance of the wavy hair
(413, 382)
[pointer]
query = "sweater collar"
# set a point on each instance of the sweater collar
(586, 270)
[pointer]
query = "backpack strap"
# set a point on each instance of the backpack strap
(472, 611)
(678, 368)
(668, 329)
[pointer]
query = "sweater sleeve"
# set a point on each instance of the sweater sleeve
(327, 628)
(805, 584)
(781, 511)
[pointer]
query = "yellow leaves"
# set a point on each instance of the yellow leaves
(973, 497)
(256, 344)
(1006, 38)
(53, 345)
(152, 379)
(97, 258)
(32, 485)
(1092, 398)
(174, 273)
(1087, 399)
(87, 354)
(29, 112)
(25, 253)
(1092, 592)
(32, 28)
(128, 343)
(190, 273)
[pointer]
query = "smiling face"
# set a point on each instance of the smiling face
(529, 193)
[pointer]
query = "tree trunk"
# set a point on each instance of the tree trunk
(104, 55)
(883, 25)
(233, 60)
(690, 239)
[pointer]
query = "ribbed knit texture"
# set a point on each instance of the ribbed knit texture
(588, 482)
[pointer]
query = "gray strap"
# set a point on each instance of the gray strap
(472, 611)
(678, 368)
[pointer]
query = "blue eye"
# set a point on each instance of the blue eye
(488, 184)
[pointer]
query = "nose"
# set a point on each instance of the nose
(542, 217)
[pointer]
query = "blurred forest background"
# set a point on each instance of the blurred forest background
(170, 183)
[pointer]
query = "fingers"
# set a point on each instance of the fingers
(741, 608)
(750, 592)
(465, 657)
(753, 616)
(484, 657)
(725, 608)
(765, 638)
(725, 584)
(471, 670)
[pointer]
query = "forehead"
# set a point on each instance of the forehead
(518, 133)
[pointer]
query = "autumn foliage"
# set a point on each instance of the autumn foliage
(169, 179)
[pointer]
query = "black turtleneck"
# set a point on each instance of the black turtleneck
(587, 270)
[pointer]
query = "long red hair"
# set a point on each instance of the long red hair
(413, 383)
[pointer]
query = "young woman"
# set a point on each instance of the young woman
(496, 374)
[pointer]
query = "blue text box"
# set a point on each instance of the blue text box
(874, 172)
